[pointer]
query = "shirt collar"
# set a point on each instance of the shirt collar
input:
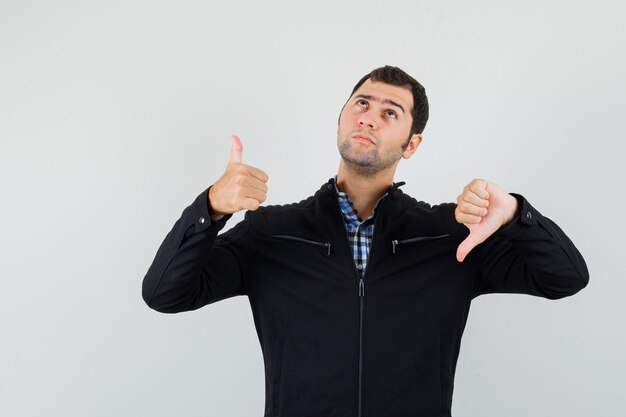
(348, 210)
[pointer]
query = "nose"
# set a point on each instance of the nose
(365, 119)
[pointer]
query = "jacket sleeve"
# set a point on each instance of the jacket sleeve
(531, 255)
(193, 266)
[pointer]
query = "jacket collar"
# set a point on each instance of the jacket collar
(328, 189)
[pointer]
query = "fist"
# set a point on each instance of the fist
(241, 187)
(483, 207)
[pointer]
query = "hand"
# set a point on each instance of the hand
(483, 208)
(241, 186)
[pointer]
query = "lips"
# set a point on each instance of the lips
(363, 138)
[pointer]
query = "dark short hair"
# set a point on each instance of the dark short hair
(395, 76)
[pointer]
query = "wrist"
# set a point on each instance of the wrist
(512, 210)
(216, 215)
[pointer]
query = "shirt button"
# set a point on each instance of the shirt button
(359, 266)
(201, 220)
(529, 215)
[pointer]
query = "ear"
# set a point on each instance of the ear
(411, 147)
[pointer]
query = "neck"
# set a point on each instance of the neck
(364, 191)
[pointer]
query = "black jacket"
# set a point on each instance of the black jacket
(337, 346)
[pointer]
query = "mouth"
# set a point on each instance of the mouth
(364, 139)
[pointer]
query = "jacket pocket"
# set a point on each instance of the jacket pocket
(396, 243)
(325, 245)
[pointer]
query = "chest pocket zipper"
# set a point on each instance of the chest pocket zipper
(395, 243)
(312, 242)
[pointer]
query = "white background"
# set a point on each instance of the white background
(115, 115)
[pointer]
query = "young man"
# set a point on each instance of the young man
(360, 293)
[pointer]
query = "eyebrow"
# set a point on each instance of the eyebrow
(385, 101)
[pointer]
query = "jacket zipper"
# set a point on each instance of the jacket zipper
(362, 300)
(395, 243)
(299, 239)
(361, 287)
(361, 296)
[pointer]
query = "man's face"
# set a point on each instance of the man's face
(374, 126)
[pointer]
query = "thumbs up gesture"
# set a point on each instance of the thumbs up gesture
(483, 208)
(241, 187)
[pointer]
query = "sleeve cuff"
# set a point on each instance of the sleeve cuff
(203, 219)
(527, 217)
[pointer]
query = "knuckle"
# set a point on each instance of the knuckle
(238, 196)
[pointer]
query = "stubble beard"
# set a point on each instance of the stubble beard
(367, 163)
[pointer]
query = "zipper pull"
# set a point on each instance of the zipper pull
(327, 247)
(393, 245)
(361, 287)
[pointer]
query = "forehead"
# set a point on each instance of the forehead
(381, 90)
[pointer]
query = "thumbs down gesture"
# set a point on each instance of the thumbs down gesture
(483, 208)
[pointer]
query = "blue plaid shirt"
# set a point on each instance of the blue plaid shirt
(359, 232)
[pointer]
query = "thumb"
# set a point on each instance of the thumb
(466, 246)
(236, 150)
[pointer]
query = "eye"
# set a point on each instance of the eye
(391, 113)
(361, 103)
